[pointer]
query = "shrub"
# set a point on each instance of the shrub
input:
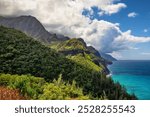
(61, 91)
(28, 85)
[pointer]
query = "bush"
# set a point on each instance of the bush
(59, 90)
(28, 85)
(37, 88)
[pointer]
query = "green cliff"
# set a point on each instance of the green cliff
(20, 54)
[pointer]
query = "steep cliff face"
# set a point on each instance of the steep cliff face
(100, 59)
(77, 50)
(32, 27)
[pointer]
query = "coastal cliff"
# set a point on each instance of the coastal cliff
(70, 60)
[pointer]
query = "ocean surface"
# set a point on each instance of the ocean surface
(134, 75)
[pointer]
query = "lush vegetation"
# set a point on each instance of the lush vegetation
(77, 51)
(85, 61)
(72, 44)
(37, 88)
(20, 54)
(28, 85)
(61, 90)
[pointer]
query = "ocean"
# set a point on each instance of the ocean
(134, 75)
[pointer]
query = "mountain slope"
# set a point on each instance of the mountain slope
(32, 27)
(20, 54)
(77, 50)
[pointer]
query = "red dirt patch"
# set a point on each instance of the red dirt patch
(10, 94)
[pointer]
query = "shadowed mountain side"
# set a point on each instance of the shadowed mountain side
(32, 27)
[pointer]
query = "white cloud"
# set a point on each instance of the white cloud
(108, 37)
(111, 9)
(117, 24)
(116, 55)
(127, 36)
(145, 30)
(65, 17)
(132, 14)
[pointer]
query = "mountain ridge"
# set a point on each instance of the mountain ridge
(76, 48)
(30, 26)
(33, 28)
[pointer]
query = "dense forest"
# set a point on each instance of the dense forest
(22, 55)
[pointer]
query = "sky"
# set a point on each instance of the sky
(117, 27)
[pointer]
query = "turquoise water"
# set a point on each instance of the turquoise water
(134, 75)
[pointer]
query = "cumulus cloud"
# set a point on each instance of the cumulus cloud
(132, 14)
(108, 37)
(111, 9)
(65, 17)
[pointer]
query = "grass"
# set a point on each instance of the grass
(85, 61)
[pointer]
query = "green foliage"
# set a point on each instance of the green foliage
(77, 51)
(29, 86)
(36, 88)
(85, 61)
(71, 44)
(20, 54)
(94, 81)
(59, 90)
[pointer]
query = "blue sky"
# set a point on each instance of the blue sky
(139, 25)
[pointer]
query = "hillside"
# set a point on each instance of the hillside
(32, 27)
(20, 54)
(79, 52)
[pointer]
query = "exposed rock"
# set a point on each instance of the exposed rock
(32, 27)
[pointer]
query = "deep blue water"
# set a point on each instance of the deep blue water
(134, 75)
